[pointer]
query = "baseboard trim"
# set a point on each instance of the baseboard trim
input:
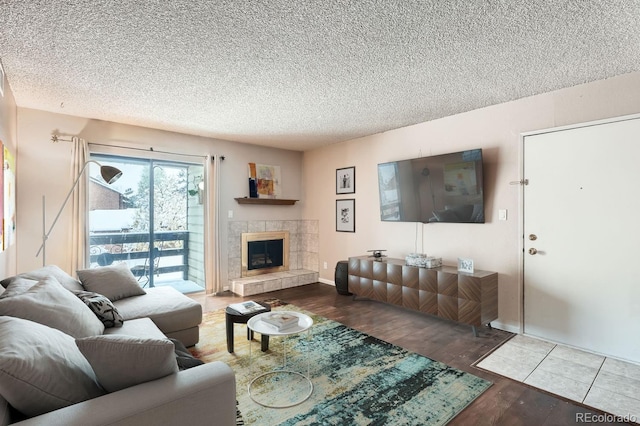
(326, 281)
(505, 327)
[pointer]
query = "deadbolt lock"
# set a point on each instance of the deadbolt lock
(533, 237)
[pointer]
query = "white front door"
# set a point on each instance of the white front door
(582, 216)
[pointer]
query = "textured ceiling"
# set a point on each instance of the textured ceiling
(298, 75)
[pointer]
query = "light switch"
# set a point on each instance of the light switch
(502, 214)
(230, 214)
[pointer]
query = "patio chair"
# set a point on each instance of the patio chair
(143, 271)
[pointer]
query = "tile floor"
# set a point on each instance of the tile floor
(603, 383)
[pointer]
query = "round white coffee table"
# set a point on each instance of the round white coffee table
(257, 325)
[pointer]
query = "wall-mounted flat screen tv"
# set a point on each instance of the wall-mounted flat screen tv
(438, 188)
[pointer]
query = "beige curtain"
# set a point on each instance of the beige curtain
(212, 225)
(79, 234)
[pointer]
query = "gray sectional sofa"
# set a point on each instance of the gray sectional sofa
(96, 351)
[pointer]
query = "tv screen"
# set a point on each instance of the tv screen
(438, 188)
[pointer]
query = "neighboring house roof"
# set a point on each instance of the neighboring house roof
(111, 220)
(104, 185)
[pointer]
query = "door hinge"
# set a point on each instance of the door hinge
(520, 182)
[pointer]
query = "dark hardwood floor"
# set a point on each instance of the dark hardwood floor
(507, 402)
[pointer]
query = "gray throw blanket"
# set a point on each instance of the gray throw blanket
(183, 356)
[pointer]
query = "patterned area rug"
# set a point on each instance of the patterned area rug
(357, 379)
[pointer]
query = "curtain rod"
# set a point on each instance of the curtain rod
(56, 138)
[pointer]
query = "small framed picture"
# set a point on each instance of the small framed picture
(465, 265)
(346, 215)
(346, 180)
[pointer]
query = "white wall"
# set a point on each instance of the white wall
(495, 245)
(43, 169)
(8, 137)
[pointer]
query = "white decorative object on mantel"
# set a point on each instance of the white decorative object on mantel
(465, 265)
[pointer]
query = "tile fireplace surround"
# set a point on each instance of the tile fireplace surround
(303, 256)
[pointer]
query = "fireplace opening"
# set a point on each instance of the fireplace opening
(265, 254)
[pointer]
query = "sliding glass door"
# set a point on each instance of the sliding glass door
(151, 220)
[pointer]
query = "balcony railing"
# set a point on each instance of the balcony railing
(104, 249)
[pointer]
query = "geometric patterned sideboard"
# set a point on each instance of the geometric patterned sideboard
(466, 298)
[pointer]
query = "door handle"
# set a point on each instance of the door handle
(533, 251)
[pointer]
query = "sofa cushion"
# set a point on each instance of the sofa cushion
(102, 308)
(63, 278)
(121, 361)
(114, 281)
(139, 327)
(50, 304)
(169, 309)
(41, 369)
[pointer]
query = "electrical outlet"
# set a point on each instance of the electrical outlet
(325, 265)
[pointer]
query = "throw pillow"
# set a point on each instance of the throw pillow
(18, 286)
(63, 278)
(114, 281)
(102, 308)
(50, 304)
(122, 361)
(41, 369)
